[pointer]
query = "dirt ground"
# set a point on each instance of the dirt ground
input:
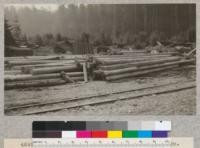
(176, 103)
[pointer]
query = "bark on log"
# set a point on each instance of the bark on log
(133, 69)
(143, 63)
(43, 83)
(132, 56)
(26, 62)
(39, 83)
(73, 68)
(36, 62)
(139, 73)
(28, 68)
(64, 56)
(9, 78)
(113, 62)
(12, 72)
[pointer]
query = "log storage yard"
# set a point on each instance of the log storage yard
(149, 75)
(135, 82)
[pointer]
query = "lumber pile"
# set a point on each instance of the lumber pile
(120, 67)
(39, 71)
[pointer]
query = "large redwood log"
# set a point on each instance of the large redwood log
(138, 73)
(39, 83)
(27, 69)
(140, 63)
(37, 62)
(60, 57)
(26, 62)
(123, 61)
(133, 69)
(9, 78)
(71, 68)
(131, 56)
(12, 72)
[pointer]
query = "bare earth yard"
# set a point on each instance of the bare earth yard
(174, 103)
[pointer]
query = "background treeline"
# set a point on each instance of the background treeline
(107, 23)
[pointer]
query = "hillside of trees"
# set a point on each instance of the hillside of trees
(124, 23)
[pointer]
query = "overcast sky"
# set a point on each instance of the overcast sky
(50, 7)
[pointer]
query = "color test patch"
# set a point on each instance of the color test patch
(83, 134)
(68, 134)
(114, 134)
(99, 134)
(144, 134)
(129, 134)
(159, 134)
(58, 125)
(47, 134)
(163, 126)
(106, 125)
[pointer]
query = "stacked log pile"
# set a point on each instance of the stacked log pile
(36, 71)
(132, 65)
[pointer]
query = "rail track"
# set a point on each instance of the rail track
(69, 103)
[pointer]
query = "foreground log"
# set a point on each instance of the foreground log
(140, 63)
(12, 72)
(28, 68)
(133, 69)
(13, 78)
(39, 62)
(72, 68)
(26, 62)
(39, 83)
(139, 73)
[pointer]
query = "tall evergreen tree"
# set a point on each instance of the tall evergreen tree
(9, 40)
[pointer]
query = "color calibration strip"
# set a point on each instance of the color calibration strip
(100, 134)
(100, 129)
(101, 125)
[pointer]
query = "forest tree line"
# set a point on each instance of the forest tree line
(104, 23)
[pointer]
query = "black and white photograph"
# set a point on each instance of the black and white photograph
(99, 59)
